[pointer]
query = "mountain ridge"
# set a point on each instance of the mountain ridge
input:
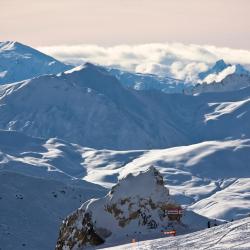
(19, 62)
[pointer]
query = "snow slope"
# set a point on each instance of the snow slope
(233, 235)
(32, 209)
(19, 62)
(89, 106)
(39, 186)
(211, 178)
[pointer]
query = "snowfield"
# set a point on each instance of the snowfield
(32, 209)
(210, 178)
(233, 235)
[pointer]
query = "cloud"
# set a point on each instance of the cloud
(174, 59)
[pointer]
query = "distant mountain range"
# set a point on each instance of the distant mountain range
(67, 134)
(19, 62)
(221, 77)
(89, 106)
(139, 81)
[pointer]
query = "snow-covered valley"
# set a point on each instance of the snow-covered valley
(42, 175)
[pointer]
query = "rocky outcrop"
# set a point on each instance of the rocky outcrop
(73, 236)
(137, 203)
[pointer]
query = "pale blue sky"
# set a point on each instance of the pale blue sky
(111, 22)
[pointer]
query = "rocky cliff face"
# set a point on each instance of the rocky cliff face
(138, 203)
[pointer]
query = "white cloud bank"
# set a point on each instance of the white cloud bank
(175, 59)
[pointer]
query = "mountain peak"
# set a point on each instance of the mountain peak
(144, 184)
(17, 46)
(239, 69)
(19, 62)
(219, 66)
(95, 77)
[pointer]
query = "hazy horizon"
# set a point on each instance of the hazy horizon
(223, 23)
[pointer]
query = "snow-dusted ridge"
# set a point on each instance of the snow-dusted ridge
(141, 81)
(221, 77)
(19, 62)
(90, 107)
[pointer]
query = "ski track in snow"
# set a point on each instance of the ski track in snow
(233, 235)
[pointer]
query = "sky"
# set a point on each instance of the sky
(224, 23)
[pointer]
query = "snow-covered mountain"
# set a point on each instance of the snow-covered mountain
(222, 77)
(90, 107)
(19, 62)
(141, 81)
(136, 205)
(220, 71)
(234, 235)
(218, 67)
(231, 82)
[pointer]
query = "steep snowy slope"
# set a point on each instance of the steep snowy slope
(228, 236)
(90, 107)
(19, 62)
(141, 81)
